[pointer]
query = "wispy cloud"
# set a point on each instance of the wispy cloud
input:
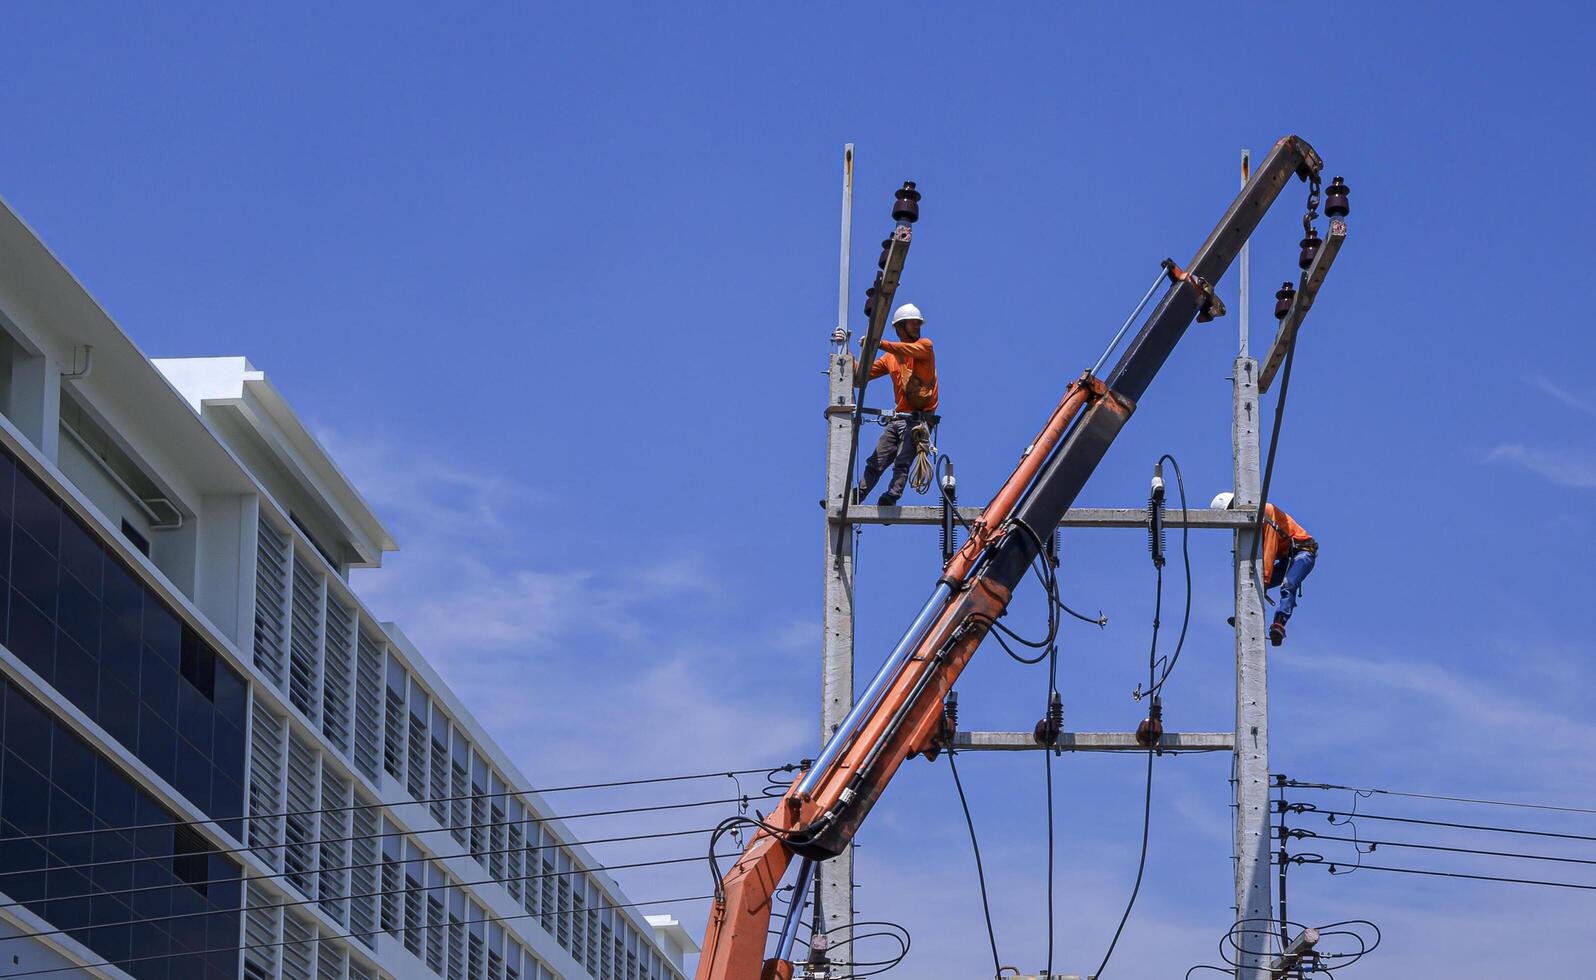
(1565, 467)
(1579, 403)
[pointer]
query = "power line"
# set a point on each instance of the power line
(980, 873)
(423, 927)
(246, 818)
(341, 898)
(1432, 796)
(248, 848)
(1472, 877)
(1446, 823)
(346, 867)
(1441, 847)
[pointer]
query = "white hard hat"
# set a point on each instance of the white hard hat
(1223, 501)
(907, 311)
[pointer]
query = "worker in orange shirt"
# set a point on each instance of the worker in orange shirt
(1289, 554)
(912, 365)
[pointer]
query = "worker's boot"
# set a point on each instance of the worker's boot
(1277, 631)
(888, 500)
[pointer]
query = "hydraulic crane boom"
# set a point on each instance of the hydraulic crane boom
(900, 714)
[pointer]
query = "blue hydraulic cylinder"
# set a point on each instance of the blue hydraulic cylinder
(795, 914)
(884, 676)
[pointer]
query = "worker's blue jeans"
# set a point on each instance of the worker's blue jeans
(1297, 567)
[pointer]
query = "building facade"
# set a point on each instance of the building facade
(215, 762)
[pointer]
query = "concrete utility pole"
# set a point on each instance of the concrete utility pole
(834, 878)
(1250, 766)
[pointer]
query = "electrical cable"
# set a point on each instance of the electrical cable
(263, 846)
(980, 872)
(325, 870)
(1274, 443)
(1472, 877)
(296, 903)
(1141, 865)
(1432, 796)
(1185, 554)
(1147, 802)
(1445, 823)
(1047, 759)
(318, 938)
(246, 818)
(1414, 845)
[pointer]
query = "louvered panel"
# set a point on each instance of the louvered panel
(457, 940)
(299, 947)
(358, 972)
(514, 877)
(437, 931)
(363, 876)
(416, 772)
(415, 914)
(550, 889)
(368, 705)
(594, 938)
(301, 822)
(479, 829)
(393, 734)
(578, 920)
(606, 966)
(497, 841)
(331, 961)
(304, 640)
(562, 905)
(475, 949)
(338, 672)
(495, 965)
(461, 809)
(265, 785)
(439, 786)
(260, 936)
(271, 600)
(336, 823)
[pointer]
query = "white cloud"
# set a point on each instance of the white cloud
(1566, 467)
(1563, 395)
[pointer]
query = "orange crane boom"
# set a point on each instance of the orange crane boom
(900, 715)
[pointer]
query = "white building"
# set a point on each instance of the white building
(181, 651)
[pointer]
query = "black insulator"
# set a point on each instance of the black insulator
(886, 246)
(870, 298)
(1335, 199)
(1283, 299)
(906, 204)
(1310, 247)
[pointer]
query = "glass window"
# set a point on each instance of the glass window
(85, 622)
(123, 906)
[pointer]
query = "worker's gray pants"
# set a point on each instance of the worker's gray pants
(894, 449)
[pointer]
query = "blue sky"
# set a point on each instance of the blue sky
(555, 283)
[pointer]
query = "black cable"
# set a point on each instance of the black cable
(342, 867)
(318, 938)
(1274, 443)
(1459, 874)
(1414, 845)
(980, 872)
(246, 818)
(1141, 865)
(1432, 796)
(247, 848)
(1147, 802)
(296, 903)
(1455, 826)
(1185, 554)
(1047, 761)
